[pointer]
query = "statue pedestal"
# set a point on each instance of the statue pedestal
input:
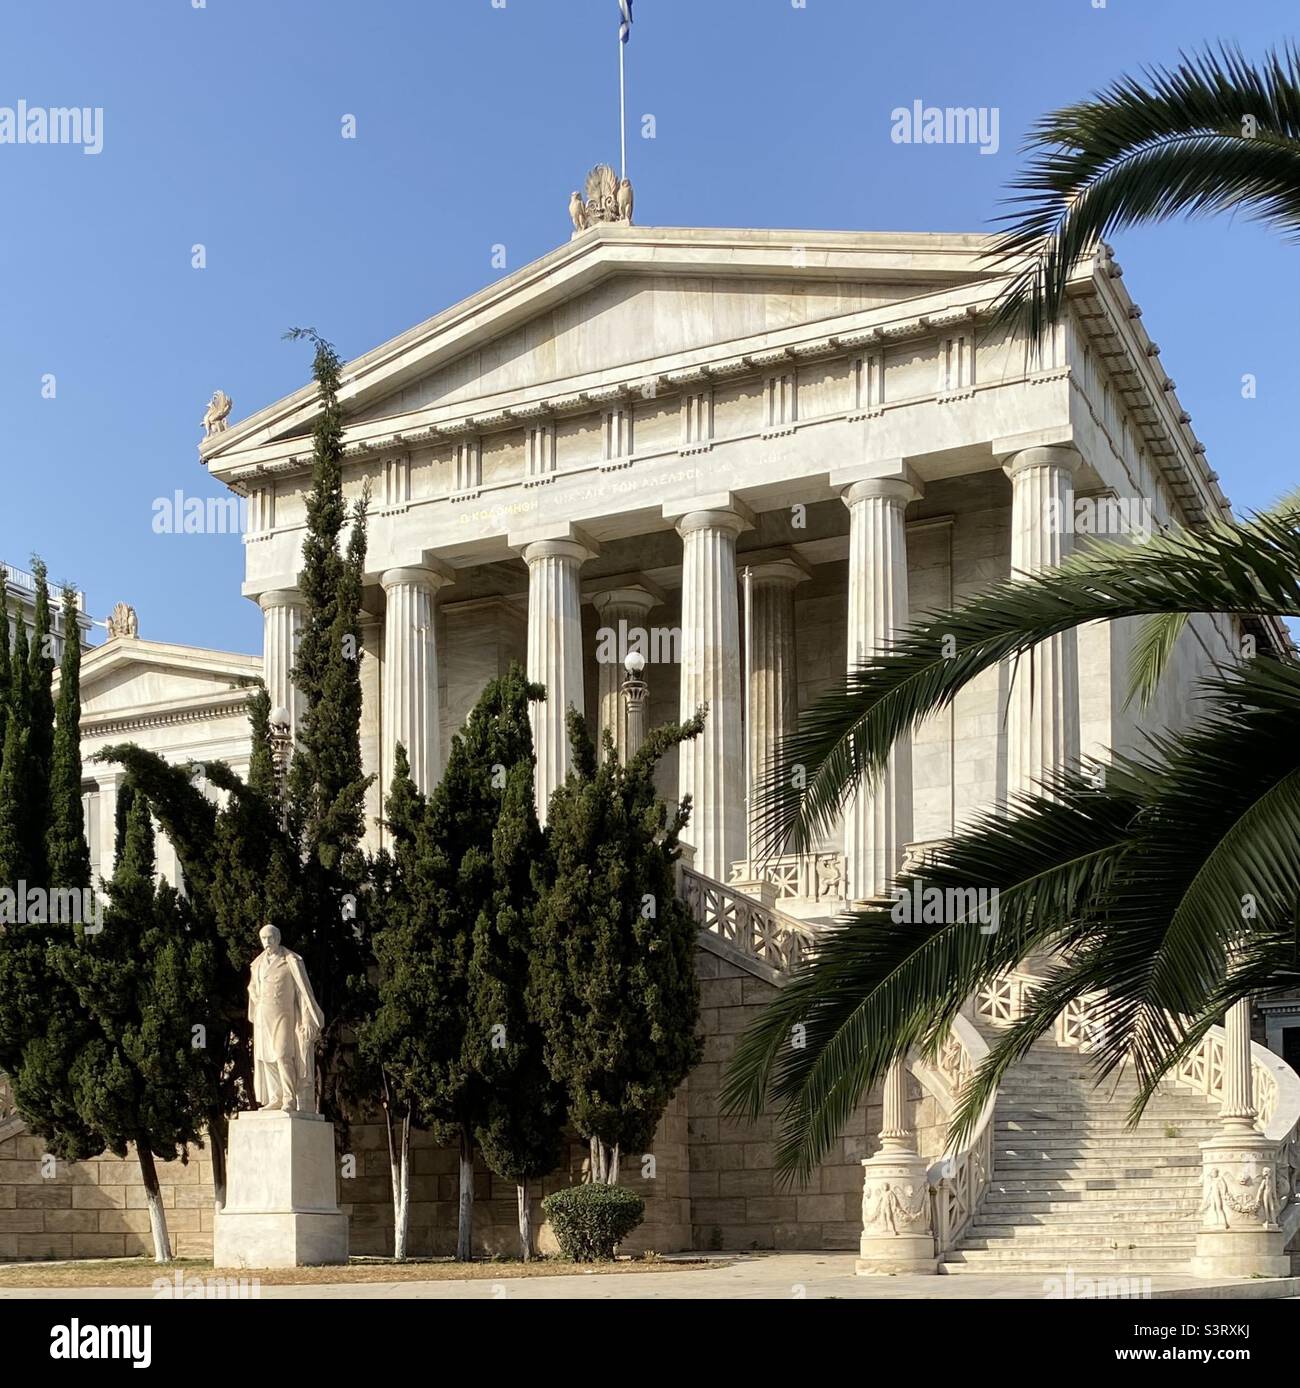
(281, 1206)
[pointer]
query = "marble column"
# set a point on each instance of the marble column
(623, 612)
(710, 768)
(878, 822)
(283, 615)
(554, 653)
(1043, 708)
(897, 1231)
(1239, 1234)
(772, 705)
(410, 683)
(108, 784)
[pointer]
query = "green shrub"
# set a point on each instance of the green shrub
(590, 1221)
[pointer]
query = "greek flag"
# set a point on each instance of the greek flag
(625, 28)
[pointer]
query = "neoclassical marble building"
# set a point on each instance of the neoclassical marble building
(750, 455)
(649, 431)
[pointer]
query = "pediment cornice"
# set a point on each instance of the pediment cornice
(579, 265)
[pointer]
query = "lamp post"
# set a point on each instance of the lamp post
(635, 692)
(281, 733)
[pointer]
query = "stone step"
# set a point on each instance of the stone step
(1134, 1270)
(1120, 1169)
(1104, 1202)
(1148, 1255)
(1099, 1241)
(1044, 1181)
(1062, 1227)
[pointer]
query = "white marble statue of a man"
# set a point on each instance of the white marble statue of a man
(287, 1022)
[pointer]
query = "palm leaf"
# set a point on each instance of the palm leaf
(847, 734)
(1212, 134)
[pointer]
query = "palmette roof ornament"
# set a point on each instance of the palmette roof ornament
(122, 622)
(609, 201)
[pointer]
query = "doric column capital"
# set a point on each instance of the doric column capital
(431, 576)
(280, 597)
(578, 551)
(633, 598)
(730, 522)
(1062, 456)
(898, 491)
(775, 570)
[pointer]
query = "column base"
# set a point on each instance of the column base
(1240, 1253)
(896, 1232)
(1240, 1208)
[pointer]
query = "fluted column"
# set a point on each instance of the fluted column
(773, 696)
(879, 820)
(410, 686)
(623, 613)
(896, 1132)
(1043, 711)
(1237, 1111)
(711, 769)
(554, 654)
(283, 614)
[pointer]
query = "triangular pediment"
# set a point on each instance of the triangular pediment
(125, 675)
(615, 297)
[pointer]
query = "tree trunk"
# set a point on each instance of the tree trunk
(399, 1173)
(525, 1220)
(217, 1135)
(604, 1162)
(465, 1223)
(402, 1225)
(162, 1248)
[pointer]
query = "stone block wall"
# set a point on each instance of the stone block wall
(737, 1201)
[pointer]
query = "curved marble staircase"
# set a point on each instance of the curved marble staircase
(1073, 1184)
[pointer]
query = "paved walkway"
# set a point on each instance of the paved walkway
(781, 1276)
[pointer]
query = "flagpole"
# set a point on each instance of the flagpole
(622, 106)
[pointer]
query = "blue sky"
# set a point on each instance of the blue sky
(474, 119)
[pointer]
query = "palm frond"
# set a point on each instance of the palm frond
(847, 734)
(1151, 653)
(1212, 134)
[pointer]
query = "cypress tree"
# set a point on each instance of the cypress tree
(40, 724)
(66, 851)
(426, 944)
(521, 1135)
(386, 1038)
(326, 784)
(6, 637)
(613, 980)
(141, 1079)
